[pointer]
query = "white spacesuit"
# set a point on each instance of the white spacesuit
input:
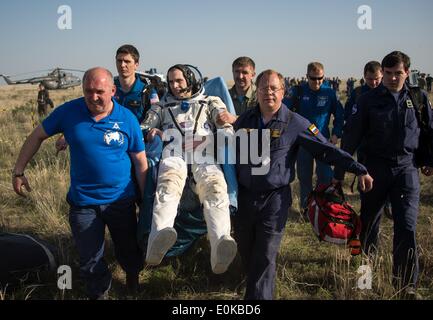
(196, 115)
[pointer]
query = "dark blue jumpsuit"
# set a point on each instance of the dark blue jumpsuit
(264, 200)
(352, 100)
(390, 133)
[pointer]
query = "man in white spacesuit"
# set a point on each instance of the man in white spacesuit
(186, 111)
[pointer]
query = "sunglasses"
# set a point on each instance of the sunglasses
(316, 78)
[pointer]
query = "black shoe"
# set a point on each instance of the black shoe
(102, 296)
(132, 283)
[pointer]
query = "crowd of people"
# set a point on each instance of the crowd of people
(381, 121)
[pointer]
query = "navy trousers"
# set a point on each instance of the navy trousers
(401, 185)
(88, 229)
(259, 226)
(304, 165)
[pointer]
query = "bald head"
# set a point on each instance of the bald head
(98, 89)
(98, 73)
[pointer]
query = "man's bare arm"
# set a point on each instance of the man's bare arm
(28, 150)
(139, 160)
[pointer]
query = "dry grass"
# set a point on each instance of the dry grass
(306, 269)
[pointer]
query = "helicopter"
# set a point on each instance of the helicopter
(56, 79)
(152, 74)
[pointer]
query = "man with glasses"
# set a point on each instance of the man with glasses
(316, 103)
(388, 120)
(264, 198)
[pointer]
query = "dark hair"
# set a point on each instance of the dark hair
(243, 62)
(372, 67)
(189, 76)
(268, 73)
(394, 58)
(129, 49)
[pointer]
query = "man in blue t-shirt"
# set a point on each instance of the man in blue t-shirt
(104, 138)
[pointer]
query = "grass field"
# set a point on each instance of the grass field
(307, 269)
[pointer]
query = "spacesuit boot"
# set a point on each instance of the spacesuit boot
(212, 191)
(163, 240)
(223, 254)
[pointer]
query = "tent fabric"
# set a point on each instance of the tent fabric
(21, 255)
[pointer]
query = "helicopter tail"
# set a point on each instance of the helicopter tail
(6, 78)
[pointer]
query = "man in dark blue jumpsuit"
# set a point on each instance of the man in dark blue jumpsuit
(264, 200)
(386, 119)
(373, 77)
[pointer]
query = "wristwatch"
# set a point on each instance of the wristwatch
(17, 175)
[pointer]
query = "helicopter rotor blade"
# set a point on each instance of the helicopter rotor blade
(31, 72)
(77, 70)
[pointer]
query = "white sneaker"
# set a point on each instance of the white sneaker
(225, 252)
(162, 242)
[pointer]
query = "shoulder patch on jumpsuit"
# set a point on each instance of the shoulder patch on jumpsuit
(313, 129)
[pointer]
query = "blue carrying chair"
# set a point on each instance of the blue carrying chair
(189, 223)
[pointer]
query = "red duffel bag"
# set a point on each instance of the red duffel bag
(333, 219)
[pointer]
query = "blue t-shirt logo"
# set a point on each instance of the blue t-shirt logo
(115, 137)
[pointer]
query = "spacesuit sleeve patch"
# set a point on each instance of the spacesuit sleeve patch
(313, 129)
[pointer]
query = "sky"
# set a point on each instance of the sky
(278, 34)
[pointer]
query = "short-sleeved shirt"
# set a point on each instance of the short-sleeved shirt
(100, 163)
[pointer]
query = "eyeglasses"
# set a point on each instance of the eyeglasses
(271, 89)
(316, 78)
